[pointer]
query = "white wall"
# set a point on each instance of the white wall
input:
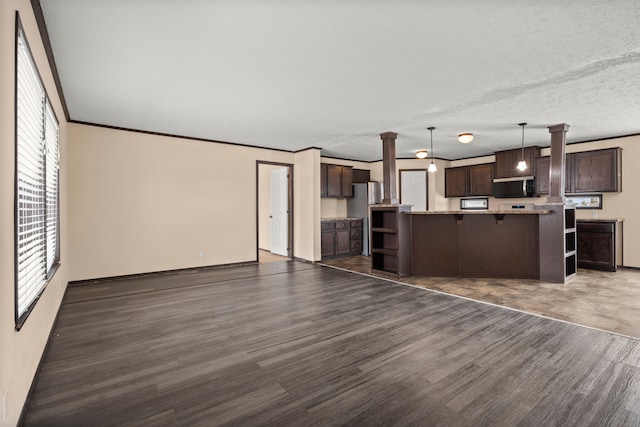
(20, 352)
(143, 203)
(306, 190)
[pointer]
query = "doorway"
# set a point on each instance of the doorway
(274, 213)
(414, 188)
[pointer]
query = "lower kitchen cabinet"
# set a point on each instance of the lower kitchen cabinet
(341, 237)
(599, 244)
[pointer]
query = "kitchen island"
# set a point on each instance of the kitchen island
(480, 244)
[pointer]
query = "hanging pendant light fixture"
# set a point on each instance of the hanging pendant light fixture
(432, 166)
(522, 165)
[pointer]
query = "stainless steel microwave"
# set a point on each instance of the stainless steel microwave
(522, 186)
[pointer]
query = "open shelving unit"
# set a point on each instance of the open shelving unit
(390, 240)
(570, 242)
(558, 243)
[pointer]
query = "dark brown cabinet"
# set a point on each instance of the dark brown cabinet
(542, 175)
(391, 241)
(585, 172)
(557, 243)
(599, 244)
(506, 162)
(596, 171)
(323, 180)
(340, 237)
(361, 176)
(455, 182)
(347, 181)
(475, 180)
(336, 181)
(481, 179)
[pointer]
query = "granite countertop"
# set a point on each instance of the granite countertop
(600, 220)
(341, 219)
(482, 212)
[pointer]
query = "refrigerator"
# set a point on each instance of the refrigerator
(364, 195)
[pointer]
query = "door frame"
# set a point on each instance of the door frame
(426, 183)
(289, 205)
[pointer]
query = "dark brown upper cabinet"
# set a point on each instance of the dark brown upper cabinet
(481, 179)
(585, 172)
(542, 174)
(506, 162)
(599, 170)
(361, 176)
(475, 180)
(347, 181)
(455, 181)
(336, 181)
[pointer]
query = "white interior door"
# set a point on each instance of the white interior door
(413, 189)
(279, 214)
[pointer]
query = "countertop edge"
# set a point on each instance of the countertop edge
(600, 220)
(342, 219)
(482, 212)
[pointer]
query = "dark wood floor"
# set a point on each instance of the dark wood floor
(298, 344)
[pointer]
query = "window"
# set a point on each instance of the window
(36, 216)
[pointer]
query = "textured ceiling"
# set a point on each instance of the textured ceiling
(334, 74)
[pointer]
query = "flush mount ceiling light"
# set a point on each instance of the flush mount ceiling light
(421, 154)
(465, 137)
(432, 166)
(522, 165)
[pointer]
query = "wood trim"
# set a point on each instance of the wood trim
(289, 208)
(157, 273)
(192, 138)
(306, 261)
(409, 170)
(18, 25)
(557, 162)
(46, 42)
(306, 149)
(389, 167)
(379, 160)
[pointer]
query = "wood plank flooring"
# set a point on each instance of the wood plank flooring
(299, 344)
(599, 299)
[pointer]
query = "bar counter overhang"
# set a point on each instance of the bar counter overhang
(477, 244)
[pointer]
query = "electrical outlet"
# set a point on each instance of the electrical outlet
(5, 405)
(594, 215)
(201, 254)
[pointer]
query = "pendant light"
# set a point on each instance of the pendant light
(522, 165)
(432, 166)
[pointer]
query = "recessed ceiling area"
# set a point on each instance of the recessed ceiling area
(296, 74)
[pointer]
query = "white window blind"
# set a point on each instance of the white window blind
(51, 179)
(36, 182)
